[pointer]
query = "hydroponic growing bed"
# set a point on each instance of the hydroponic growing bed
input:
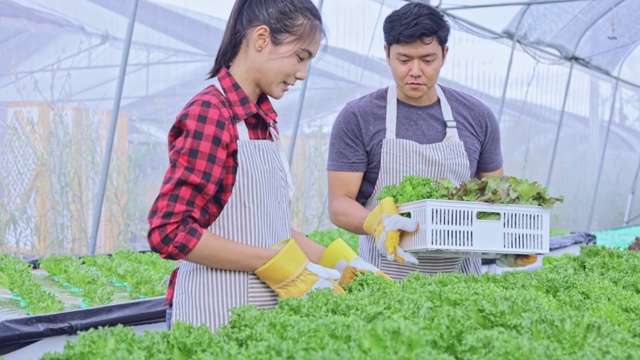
(60, 295)
(18, 329)
(575, 307)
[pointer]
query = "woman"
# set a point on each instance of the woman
(223, 208)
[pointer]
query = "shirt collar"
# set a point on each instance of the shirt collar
(241, 103)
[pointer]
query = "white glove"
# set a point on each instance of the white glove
(343, 258)
(393, 225)
(327, 277)
(384, 223)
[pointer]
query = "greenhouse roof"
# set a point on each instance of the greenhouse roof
(600, 34)
(603, 34)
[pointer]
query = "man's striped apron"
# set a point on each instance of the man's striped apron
(399, 158)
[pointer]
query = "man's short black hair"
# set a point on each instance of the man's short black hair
(413, 22)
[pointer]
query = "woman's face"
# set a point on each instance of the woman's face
(281, 66)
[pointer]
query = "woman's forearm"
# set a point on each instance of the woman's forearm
(217, 252)
(312, 249)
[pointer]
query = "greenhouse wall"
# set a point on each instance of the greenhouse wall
(57, 89)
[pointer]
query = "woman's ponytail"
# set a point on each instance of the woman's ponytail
(231, 40)
(298, 18)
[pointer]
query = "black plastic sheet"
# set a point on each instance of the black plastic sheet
(20, 332)
(577, 238)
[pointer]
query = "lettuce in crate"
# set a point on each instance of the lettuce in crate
(494, 190)
(415, 188)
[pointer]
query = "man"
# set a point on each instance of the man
(414, 127)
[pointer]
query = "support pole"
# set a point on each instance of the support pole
(366, 59)
(604, 146)
(507, 77)
(602, 155)
(513, 3)
(104, 173)
(303, 93)
(627, 212)
(557, 138)
(566, 92)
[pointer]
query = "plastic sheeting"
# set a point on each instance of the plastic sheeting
(619, 238)
(598, 34)
(560, 242)
(20, 332)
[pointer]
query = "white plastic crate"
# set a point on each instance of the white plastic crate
(452, 228)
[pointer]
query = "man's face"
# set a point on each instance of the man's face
(416, 68)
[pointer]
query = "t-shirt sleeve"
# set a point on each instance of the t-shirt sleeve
(490, 153)
(347, 149)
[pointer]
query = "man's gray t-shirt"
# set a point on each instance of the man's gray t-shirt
(357, 134)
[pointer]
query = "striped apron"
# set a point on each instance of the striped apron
(399, 158)
(257, 214)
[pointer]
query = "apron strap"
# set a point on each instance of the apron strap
(243, 132)
(216, 83)
(276, 137)
(452, 131)
(392, 112)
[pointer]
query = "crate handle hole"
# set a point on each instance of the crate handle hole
(488, 216)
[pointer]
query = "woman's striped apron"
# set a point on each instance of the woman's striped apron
(399, 158)
(257, 214)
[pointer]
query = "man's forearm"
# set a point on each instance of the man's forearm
(348, 214)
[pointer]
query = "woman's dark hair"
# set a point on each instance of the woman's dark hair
(413, 22)
(298, 18)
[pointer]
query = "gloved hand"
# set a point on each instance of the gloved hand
(341, 257)
(384, 223)
(516, 261)
(290, 274)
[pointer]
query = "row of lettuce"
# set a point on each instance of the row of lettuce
(94, 279)
(575, 307)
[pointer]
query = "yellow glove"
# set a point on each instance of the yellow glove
(341, 257)
(290, 274)
(384, 223)
(516, 261)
